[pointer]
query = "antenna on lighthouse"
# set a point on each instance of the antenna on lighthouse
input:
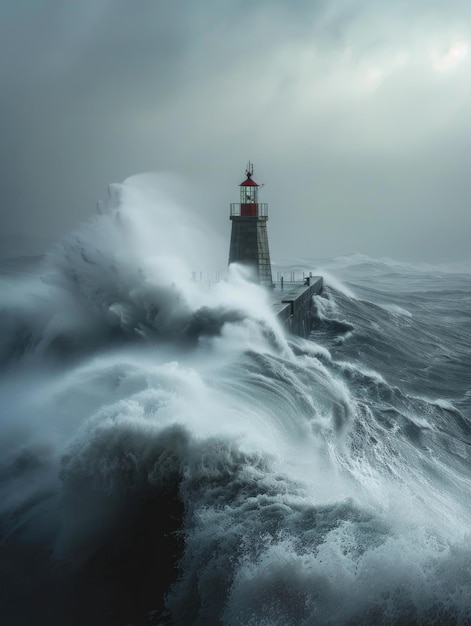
(249, 169)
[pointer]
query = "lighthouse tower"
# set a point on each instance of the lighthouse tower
(249, 237)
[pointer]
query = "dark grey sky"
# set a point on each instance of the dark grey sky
(356, 114)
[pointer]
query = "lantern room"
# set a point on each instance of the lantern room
(249, 205)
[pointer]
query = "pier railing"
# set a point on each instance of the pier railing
(281, 279)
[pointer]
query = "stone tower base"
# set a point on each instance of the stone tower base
(249, 246)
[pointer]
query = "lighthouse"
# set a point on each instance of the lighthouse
(249, 236)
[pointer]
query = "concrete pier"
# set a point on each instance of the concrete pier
(293, 304)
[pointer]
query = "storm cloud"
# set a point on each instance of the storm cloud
(355, 115)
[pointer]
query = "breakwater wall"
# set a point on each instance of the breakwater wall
(292, 303)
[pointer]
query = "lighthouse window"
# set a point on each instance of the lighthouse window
(248, 195)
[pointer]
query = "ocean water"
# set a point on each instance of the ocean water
(170, 456)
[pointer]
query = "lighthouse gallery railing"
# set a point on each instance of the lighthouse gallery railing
(259, 209)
